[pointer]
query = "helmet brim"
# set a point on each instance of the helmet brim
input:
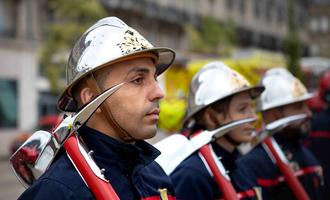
(279, 104)
(253, 91)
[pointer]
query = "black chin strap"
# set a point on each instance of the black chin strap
(106, 111)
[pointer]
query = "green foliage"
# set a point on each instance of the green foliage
(70, 20)
(211, 36)
(211, 32)
(293, 50)
(293, 46)
(195, 40)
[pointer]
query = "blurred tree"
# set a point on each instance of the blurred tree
(195, 40)
(212, 37)
(70, 20)
(293, 46)
(326, 52)
(211, 32)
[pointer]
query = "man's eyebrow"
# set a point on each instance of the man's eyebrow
(138, 70)
(244, 102)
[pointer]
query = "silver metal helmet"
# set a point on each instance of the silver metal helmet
(282, 88)
(216, 81)
(108, 41)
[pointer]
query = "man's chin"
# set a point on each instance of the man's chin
(148, 133)
(294, 133)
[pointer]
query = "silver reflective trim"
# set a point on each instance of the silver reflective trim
(30, 160)
(175, 148)
(34, 157)
(269, 130)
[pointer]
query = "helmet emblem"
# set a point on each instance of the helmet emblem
(133, 42)
(298, 89)
(238, 82)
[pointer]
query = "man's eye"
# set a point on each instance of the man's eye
(242, 110)
(138, 80)
(245, 109)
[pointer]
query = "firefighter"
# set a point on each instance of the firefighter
(284, 96)
(218, 95)
(109, 53)
(318, 140)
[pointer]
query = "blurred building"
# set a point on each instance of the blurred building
(319, 28)
(22, 97)
(25, 94)
(260, 23)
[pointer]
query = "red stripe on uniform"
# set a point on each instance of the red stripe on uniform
(158, 198)
(320, 134)
(273, 182)
(247, 193)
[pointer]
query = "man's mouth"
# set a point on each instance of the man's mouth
(154, 113)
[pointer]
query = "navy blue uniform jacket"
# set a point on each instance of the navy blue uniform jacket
(319, 143)
(192, 179)
(263, 172)
(130, 168)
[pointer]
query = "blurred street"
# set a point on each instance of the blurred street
(10, 188)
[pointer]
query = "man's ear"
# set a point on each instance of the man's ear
(211, 118)
(86, 95)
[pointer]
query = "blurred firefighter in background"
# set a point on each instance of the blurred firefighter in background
(318, 140)
(284, 96)
(218, 95)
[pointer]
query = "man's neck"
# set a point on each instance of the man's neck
(103, 127)
(225, 144)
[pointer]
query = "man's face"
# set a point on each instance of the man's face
(135, 106)
(240, 107)
(295, 109)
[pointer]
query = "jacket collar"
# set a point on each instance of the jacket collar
(227, 158)
(107, 149)
(285, 138)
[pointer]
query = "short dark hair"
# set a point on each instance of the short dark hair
(221, 106)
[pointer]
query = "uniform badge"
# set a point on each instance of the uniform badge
(163, 194)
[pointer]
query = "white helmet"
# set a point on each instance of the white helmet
(216, 81)
(282, 88)
(108, 41)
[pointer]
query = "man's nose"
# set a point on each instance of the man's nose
(156, 93)
(251, 113)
